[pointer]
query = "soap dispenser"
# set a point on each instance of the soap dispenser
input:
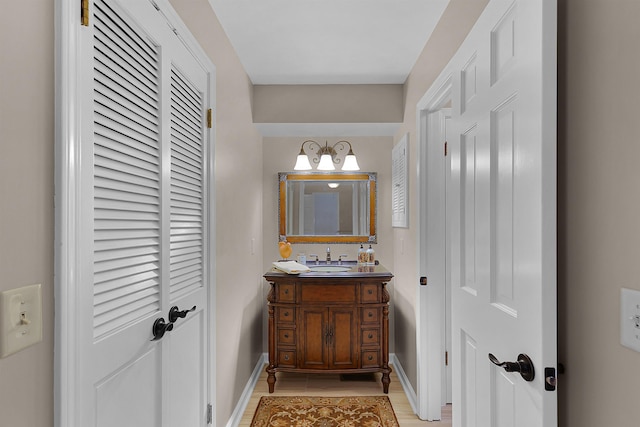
(362, 255)
(371, 256)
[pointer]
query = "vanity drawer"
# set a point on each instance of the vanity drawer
(370, 315)
(370, 337)
(286, 314)
(328, 293)
(286, 293)
(286, 336)
(370, 293)
(370, 358)
(286, 357)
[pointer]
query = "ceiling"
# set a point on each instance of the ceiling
(328, 41)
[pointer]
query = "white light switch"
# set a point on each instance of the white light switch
(630, 318)
(20, 318)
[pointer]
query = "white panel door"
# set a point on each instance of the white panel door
(143, 229)
(502, 215)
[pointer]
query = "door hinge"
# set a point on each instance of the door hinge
(209, 118)
(84, 12)
(446, 358)
(423, 281)
(209, 413)
(446, 148)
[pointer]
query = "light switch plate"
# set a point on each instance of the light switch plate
(630, 318)
(20, 318)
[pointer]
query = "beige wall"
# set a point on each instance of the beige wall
(599, 208)
(26, 199)
(457, 20)
(328, 103)
(238, 212)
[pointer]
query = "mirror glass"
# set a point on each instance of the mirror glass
(334, 207)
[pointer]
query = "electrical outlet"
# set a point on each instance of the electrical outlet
(20, 318)
(630, 318)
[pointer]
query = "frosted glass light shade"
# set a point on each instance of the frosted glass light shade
(326, 164)
(350, 163)
(302, 163)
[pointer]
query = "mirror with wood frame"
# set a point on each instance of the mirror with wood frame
(332, 207)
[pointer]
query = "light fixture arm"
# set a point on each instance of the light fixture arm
(318, 150)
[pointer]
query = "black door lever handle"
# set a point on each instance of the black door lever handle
(160, 327)
(524, 366)
(175, 313)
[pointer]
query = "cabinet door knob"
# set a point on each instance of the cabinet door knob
(286, 357)
(370, 291)
(370, 358)
(286, 291)
(286, 335)
(371, 314)
(286, 314)
(370, 336)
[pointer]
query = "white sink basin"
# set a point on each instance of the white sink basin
(329, 268)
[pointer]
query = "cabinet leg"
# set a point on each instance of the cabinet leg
(385, 382)
(271, 380)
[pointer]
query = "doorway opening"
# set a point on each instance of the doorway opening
(434, 300)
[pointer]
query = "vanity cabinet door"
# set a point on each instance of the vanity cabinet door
(343, 352)
(328, 338)
(313, 338)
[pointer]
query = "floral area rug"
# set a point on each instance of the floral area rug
(356, 411)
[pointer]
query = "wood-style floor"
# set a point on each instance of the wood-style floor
(289, 384)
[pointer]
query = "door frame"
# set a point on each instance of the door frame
(430, 312)
(68, 251)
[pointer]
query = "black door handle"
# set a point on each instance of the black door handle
(524, 366)
(160, 327)
(175, 313)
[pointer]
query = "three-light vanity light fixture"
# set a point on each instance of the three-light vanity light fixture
(326, 156)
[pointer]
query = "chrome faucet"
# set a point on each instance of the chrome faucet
(340, 258)
(328, 255)
(314, 255)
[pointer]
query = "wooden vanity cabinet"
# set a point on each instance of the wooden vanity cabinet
(328, 323)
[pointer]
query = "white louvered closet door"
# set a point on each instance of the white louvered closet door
(144, 229)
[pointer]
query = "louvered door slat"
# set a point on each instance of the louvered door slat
(190, 94)
(139, 169)
(145, 287)
(399, 183)
(128, 148)
(127, 174)
(141, 305)
(185, 178)
(126, 244)
(149, 276)
(184, 165)
(187, 196)
(186, 143)
(188, 155)
(119, 38)
(141, 128)
(110, 76)
(184, 110)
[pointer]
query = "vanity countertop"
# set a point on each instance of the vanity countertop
(345, 270)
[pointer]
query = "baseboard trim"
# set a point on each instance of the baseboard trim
(241, 406)
(404, 381)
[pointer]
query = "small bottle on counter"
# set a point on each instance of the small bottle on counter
(362, 255)
(371, 256)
